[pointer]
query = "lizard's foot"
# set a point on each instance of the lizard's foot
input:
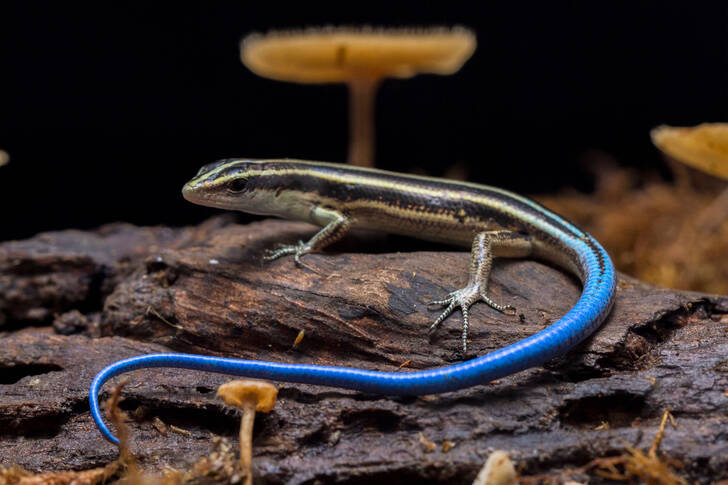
(297, 250)
(464, 298)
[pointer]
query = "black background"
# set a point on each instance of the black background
(107, 110)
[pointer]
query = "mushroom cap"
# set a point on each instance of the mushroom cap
(237, 393)
(343, 54)
(704, 147)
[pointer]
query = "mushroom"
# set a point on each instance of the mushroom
(498, 470)
(250, 396)
(361, 58)
(4, 158)
(705, 148)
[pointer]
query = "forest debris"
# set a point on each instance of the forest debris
(159, 425)
(427, 445)
(178, 430)
(497, 470)
(647, 467)
(652, 230)
(17, 476)
(298, 339)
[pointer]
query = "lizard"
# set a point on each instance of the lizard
(492, 221)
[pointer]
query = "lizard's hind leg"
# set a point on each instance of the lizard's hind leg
(486, 245)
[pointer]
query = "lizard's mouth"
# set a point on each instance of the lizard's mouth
(190, 192)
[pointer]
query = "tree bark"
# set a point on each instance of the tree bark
(73, 302)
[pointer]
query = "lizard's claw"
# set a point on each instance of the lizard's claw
(464, 298)
(297, 250)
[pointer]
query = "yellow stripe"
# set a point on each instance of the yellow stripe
(501, 206)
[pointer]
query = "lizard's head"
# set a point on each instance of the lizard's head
(253, 186)
(225, 184)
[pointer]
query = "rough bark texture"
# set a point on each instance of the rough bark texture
(72, 302)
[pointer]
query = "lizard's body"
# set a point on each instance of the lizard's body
(339, 197)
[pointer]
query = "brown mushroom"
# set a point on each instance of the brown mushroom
(361, 58)
(705, 148)
(4, 158)
(250, 396)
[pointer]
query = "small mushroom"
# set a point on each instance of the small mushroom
(361, 58)
(498, 470)
(250, 396)
(4, 158)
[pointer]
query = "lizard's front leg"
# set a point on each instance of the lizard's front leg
(486, 245)
(335, 225)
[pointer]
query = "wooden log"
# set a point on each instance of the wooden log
(123, 291)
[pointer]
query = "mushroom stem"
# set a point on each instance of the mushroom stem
(713, 215)
(246, 441)
(362, 96)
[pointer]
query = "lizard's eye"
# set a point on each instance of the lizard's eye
(236, 185)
